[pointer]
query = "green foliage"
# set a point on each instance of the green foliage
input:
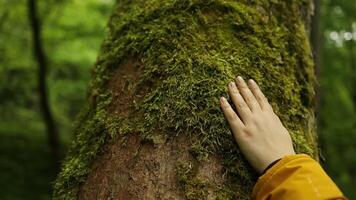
(191, 50)
(26, 172)
(337, 128)
(72, 31)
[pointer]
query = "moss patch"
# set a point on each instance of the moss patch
(193, 187)
(190, 50)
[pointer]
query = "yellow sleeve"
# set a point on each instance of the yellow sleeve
(296, 177)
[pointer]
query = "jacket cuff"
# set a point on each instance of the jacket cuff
(267, 176)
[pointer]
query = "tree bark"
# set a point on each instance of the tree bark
(153, 129)
(317, 42)
(39, 54)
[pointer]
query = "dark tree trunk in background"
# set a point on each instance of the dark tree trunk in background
(316, 38)
(153, 128)
(316, 41)
(351, 49)
(39, 54)
(3, 17)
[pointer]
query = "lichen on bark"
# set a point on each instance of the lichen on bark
(190, 50)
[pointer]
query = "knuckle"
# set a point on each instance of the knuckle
(259, 98)
(244, 86)
(264, 99)
(226, 106)
(232, 117)
(255, 89)
(245, 90)
(249, 99)
(235, 123)
(241, 105)
(234, 92)
(248, 133)
(244, 130)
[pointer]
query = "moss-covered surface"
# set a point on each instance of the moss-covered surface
(190, 50)
(193, 187)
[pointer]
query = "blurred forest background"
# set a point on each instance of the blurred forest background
(72, 31)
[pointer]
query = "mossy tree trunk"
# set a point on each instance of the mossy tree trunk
(153, 129)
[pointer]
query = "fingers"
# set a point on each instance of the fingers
(247, 94)
(260, 97)
(234, 121)
(240, 104)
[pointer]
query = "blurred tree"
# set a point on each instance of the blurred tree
(316, 40)
(40, 56)
(153, 128)
(72, 31)
(337, 127)
(3, 17)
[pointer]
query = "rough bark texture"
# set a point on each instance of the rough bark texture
(153, 129)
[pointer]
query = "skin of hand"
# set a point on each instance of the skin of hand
(258, 131)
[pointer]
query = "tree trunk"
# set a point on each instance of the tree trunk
(38, 52)
(316, 41)
(153, 129)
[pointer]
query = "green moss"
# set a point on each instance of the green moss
(193, 187)
(190, 50)
(226, 194)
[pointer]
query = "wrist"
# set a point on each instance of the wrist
(270, 166)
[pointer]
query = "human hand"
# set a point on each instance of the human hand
(258, 131)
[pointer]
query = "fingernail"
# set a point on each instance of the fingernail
(232, 85)
(240, 79)
(251, 81)
(222, 100)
